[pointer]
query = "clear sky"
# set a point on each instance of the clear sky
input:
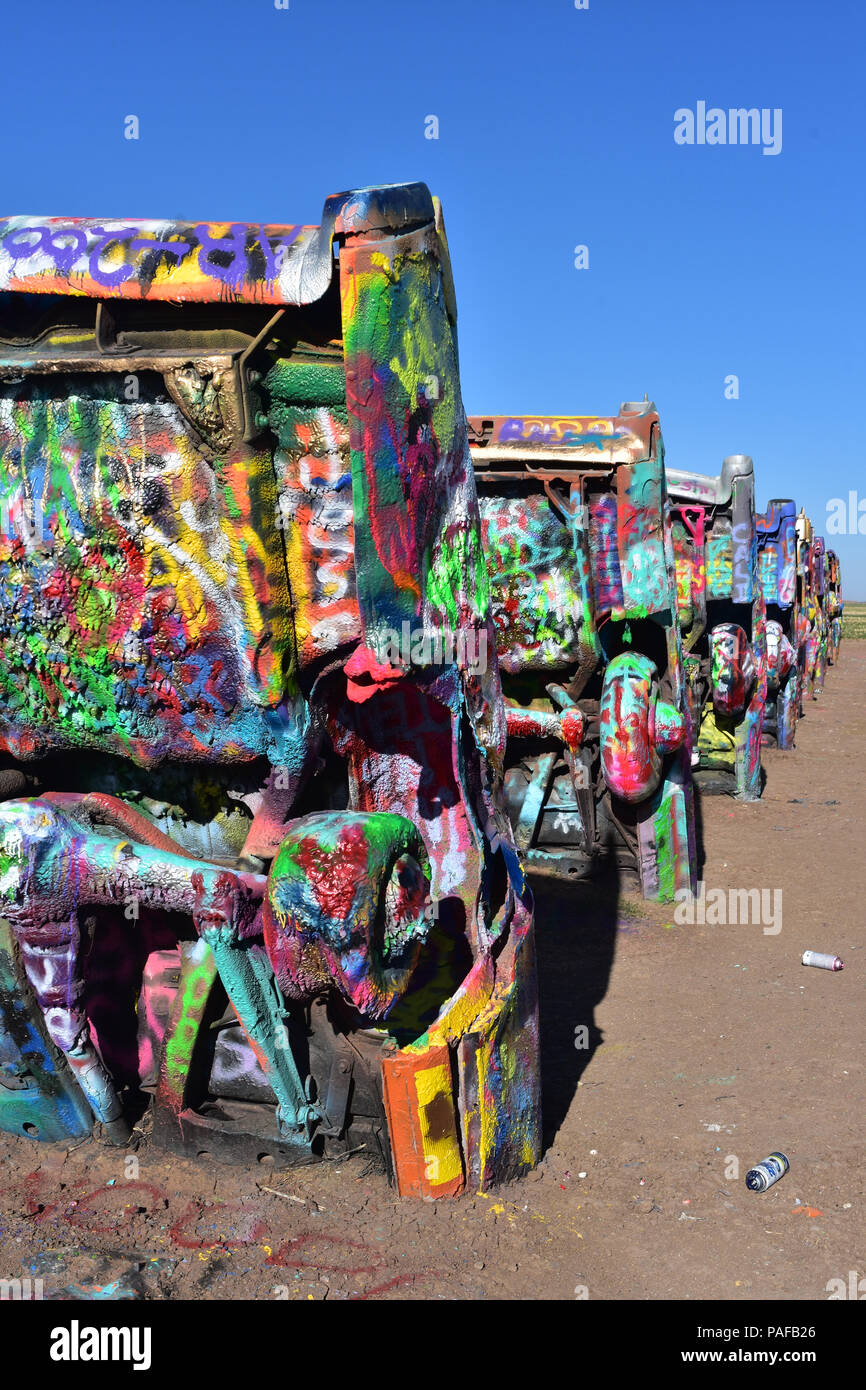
(556, 129)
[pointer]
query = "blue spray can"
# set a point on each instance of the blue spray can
(763, 1175)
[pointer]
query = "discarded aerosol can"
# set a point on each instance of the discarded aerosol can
(763, 1175)
(822, 960)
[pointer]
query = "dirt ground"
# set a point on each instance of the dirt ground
(709, 1047)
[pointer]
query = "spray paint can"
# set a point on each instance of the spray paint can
(763, 1175)
(822, 960)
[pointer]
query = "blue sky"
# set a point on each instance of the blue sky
(555, 130)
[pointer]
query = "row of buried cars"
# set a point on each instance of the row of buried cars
(300, 671)
(682, 628)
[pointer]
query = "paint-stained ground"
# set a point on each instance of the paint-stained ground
(709, 1047)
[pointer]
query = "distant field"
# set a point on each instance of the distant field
(854, 620)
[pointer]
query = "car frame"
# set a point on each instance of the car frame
(812, 581)
(722, 612)
(235, 476)
(835, 607)
(777, 560)
(577, 539)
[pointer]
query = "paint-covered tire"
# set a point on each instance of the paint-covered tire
(636, 728)
(347, 908)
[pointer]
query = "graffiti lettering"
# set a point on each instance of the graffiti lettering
(107, 257)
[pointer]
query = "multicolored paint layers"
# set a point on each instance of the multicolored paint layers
(722, 613)
(208, 528)
(812, 583)
(150, 616)
(194, 262)
(38, 1093)
(583, 578)
(777, 560)
(835, 607)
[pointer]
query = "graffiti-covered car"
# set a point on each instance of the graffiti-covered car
(255, 867)
(777, 564)
(577, 542)
(812, 584)
(722, 615)
(834, 607)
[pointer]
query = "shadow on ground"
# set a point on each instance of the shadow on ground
(575, 933)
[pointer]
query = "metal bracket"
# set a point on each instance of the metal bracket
(253, 422)
(337, 1097)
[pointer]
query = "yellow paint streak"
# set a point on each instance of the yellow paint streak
(381, 261)
(487, 1112)
(298, 578)
(241, 541)
(61, 338)
(462, 1014)
(441, 1155)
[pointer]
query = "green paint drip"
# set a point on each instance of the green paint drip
(199, 974)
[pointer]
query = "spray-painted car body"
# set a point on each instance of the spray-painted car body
(581, 571)
(777, 564)
(249, 865)
(811, 579)
(722, 615)
(834, 607)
